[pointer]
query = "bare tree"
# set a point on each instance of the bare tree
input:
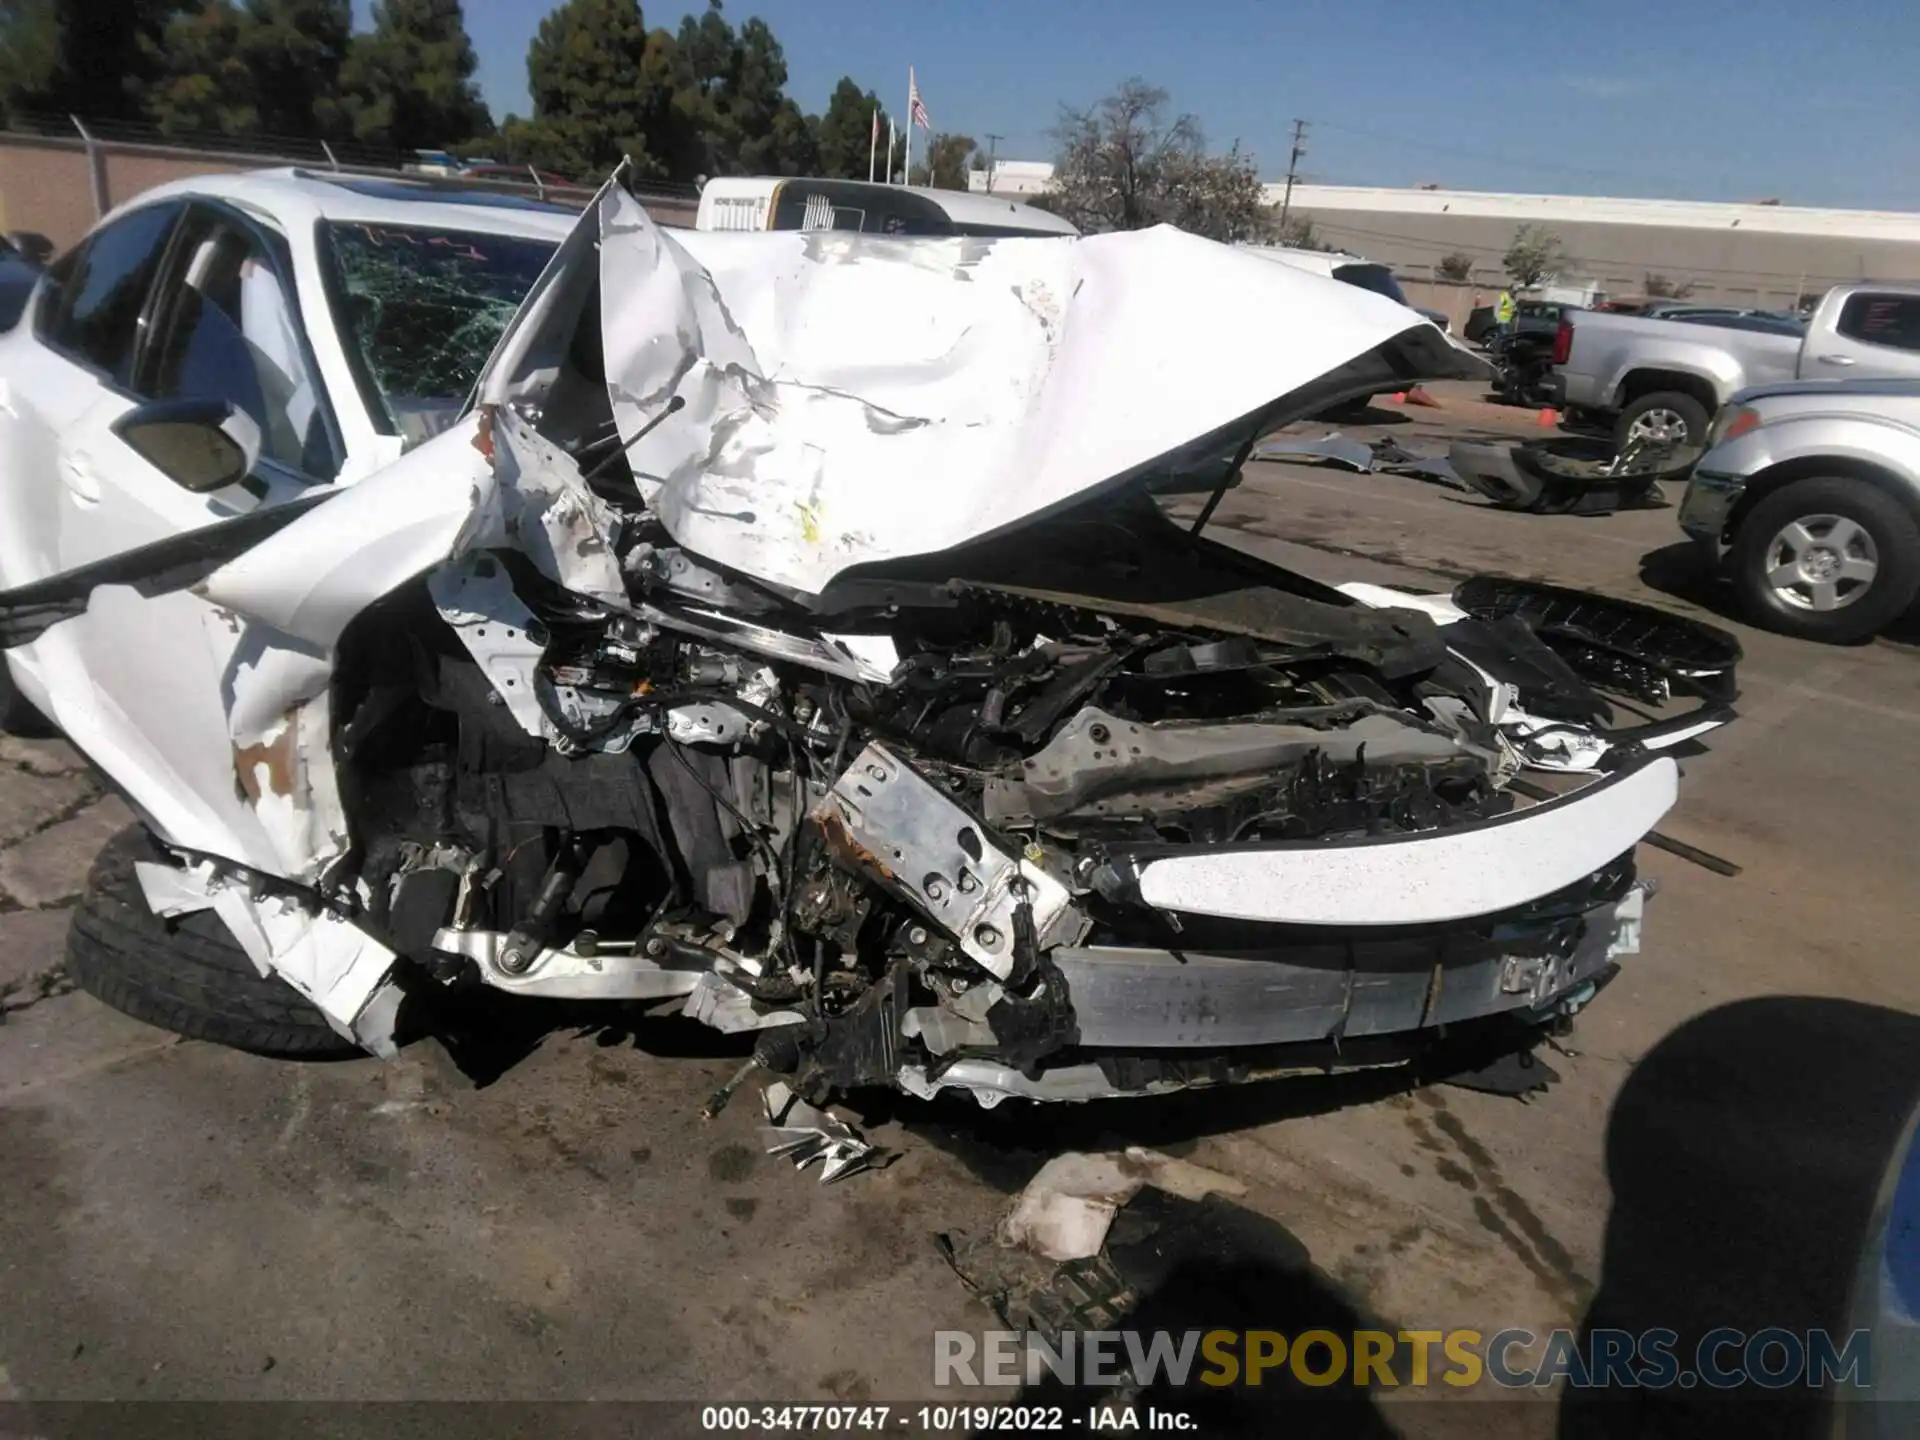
(1659, 287)
(1123, 165)
(1536, 254)
(1296, 233)
(1456, 266)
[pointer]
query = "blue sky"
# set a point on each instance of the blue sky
(1814, 102)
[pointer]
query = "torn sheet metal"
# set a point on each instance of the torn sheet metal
(805, 1135)
(1392, 458)
(310, 579)
(550, 516)
(818, 369)
(1338, 448)
(475, 596)
(171, 890)
(286, 772)
(344, 971)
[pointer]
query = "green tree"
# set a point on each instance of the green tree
(409, 83)
(766, 132)
(204, 86)
(63, 57)
(946, 162)
(1536, 254)
(294, 50)
(845, 131)
(596, 78)
(729, 105)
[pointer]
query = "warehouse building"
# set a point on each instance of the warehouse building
(1763, 254)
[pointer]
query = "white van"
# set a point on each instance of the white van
(771, 202)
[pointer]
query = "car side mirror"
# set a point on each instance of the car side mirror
(200, 445)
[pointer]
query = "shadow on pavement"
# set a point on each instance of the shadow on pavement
(486, 1033)
(1198, 1266)
(1678, 570)
(1745, 1152)
(1359, 412)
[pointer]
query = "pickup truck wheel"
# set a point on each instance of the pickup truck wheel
(187, 975)
(1828, 558)
(1669, 417)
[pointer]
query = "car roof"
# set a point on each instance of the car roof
(963, 207)
(295, 199)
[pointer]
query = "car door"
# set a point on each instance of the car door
(1876, 334)
(145, 680)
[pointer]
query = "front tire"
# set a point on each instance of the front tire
(1668, 417)
(188, 974)
(1828, 558)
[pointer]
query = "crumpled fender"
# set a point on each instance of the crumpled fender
(312, 578)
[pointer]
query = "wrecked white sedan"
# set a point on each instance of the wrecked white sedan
(784, 630)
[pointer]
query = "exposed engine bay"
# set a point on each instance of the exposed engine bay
(1174, 817)
(681, 671)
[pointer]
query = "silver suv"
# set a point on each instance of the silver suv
(1809, 500)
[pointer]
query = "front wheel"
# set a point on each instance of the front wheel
(1828, 558)
(1666, 417)
(187, 975)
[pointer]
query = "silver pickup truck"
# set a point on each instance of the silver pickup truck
(1662, 380)
(1808, 500)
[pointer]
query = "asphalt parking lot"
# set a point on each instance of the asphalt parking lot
(548, 1217)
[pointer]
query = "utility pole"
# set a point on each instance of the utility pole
(1293, 165)
(993, 148)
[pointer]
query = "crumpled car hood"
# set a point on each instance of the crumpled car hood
(849, 401)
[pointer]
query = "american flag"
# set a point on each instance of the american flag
(916, 111)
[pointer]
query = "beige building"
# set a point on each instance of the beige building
(1764, 254)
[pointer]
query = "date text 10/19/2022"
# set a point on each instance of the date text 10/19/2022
(935, 1419)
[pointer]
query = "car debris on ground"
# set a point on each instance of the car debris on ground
(806, 1134)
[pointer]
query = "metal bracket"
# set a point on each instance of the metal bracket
(884, 819)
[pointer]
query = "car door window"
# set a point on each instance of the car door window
(1892, 320)
(100, 290)
(227, 328)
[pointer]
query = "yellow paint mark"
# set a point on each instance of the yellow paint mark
(809, 524)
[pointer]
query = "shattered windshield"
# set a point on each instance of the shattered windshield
(419, 309)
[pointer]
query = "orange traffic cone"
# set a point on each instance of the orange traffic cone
(1399, 397)
(1547, 418)
(1419, 396)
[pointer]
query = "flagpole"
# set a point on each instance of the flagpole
(889, 176)
(873, 142)
(906, 170)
